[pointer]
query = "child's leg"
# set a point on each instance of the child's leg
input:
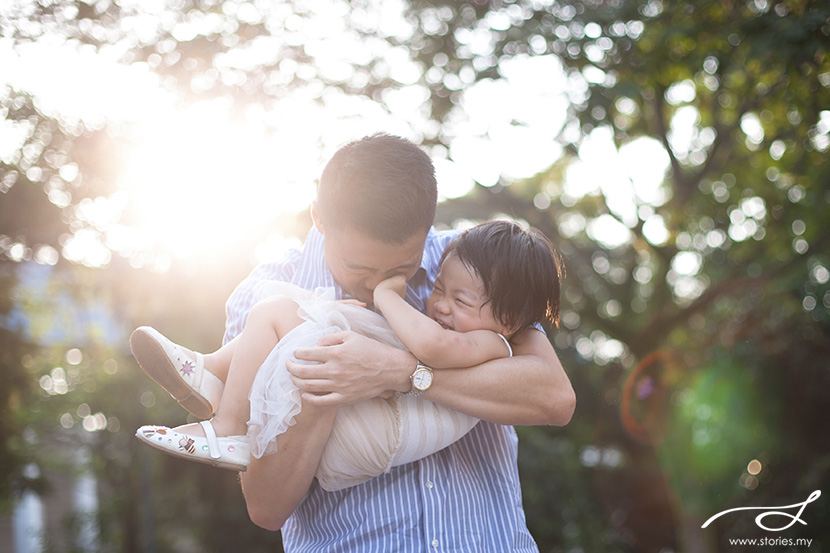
(223, 442)
(267, 322)
(219, 361)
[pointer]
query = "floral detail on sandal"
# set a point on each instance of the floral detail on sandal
(188, 368)
(184, 377)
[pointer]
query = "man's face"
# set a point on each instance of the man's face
(358, 263)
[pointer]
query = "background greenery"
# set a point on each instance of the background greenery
(691, 355)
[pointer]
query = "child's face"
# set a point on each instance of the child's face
(458, 301)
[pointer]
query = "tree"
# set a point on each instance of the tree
(54, 169)
(698, 304)
(694, 323)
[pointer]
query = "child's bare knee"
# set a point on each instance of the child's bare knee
(271, 311)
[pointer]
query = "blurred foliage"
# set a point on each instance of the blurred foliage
(717, 324)
(696, 338)
(198, 46)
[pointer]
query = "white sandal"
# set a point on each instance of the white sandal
(229, 452)
(196, 389)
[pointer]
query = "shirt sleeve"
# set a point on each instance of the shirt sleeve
(244, 297)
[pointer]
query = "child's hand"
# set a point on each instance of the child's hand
(396, 284)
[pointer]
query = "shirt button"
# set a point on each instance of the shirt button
(434, 543)
(429, 484)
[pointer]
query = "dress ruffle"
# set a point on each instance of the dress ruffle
(368, 438)
(275, 401)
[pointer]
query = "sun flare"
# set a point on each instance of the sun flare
(199, 181)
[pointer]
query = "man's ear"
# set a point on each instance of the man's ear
(315, 217)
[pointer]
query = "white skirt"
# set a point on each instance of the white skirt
(368, 438)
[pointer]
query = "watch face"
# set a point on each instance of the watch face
(422, 379)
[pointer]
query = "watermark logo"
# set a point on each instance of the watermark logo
(773, 511)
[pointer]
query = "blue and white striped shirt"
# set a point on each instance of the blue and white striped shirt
(464, 498)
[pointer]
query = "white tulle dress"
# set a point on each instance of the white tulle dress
(369, 437)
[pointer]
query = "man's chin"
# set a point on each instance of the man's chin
(348, 294)
(368, 301)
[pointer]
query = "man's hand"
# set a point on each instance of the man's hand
(347, 368)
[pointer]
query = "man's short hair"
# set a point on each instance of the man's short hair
(520, 269)
(381, 186)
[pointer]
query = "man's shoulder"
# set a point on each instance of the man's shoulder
(438, 239)
(442, 234)
(291, 257)
(282, 268)
(436, 243)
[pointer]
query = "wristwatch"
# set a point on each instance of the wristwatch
(421, 379)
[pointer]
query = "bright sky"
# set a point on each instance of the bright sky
(201, 179)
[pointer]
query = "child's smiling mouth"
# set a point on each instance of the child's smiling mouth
(443, 324)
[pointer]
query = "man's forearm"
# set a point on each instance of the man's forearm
(275, 484)
(528, 389)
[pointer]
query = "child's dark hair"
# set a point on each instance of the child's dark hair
(521, 271)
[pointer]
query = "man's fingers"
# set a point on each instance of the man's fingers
(315, 386)
(324, 400)
(315, 378)
(315, 354)
(332, 339)
(322, 352)
(305, 370)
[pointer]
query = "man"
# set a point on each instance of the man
(372, 220)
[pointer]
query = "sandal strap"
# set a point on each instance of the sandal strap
(212, 440)
(198, 370)
(210, 387)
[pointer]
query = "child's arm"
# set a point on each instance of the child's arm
(432, 344)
